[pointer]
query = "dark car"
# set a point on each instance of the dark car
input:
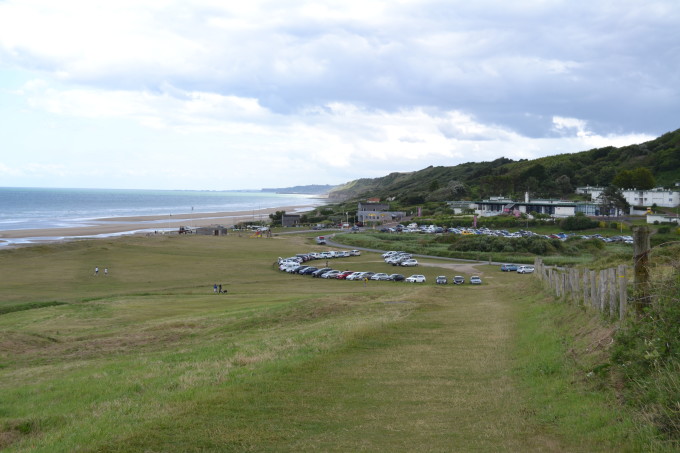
(441, 280)
(309, 270)
(323, 270)
(397, 278)
(509, 267)
(458, 280)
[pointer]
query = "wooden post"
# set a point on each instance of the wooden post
(593, 289)
(613, 290)
(586, 280)
(641, 268)
(623, 293)
(603, 291)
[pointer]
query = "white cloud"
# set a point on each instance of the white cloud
(336, 89)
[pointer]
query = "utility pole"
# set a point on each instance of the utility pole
(641, 249)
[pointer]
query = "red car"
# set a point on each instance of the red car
(343, 275)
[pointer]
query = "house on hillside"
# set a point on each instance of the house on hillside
(377, 212)
(658, 196)
(459, 207)
(501, 205)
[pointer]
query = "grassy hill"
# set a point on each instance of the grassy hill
(552, 176)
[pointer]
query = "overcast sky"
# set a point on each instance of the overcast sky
(212, 94)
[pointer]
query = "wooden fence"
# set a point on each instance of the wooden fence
(605, 290)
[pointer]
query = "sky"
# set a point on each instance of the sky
(219, 95)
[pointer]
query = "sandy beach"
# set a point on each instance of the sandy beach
(141, 224)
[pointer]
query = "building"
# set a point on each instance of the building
(377, 212)
(501, 205)
(658, 196)
(459, 207)
(290, 220)
(212, 230)
(661, 218)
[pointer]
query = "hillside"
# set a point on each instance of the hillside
(552, 176)
(312, 189)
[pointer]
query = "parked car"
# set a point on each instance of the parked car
(525, 269)
(354, 276)
(355, 252)
(309, 270)
(409, 262)
(397, 277)
(344, 275)
(417, 278)
(318, 272)
(458, 280)
(330, 274)
(475, 280)
(509, 267)
(380, 276)
(441, 280)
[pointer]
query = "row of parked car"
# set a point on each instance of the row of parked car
(415, 228)
(523, 269)
(458, 280)
(397, 258)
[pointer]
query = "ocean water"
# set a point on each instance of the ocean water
(29, 208)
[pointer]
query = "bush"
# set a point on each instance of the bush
(578, 222)
(647, 354)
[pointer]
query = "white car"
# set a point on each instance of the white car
(354, 276)
(409, 262)
(416, 279)
(475, 280)
(380, 276)
(525, 269)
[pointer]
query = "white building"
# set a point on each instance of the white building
(499, 205)
(658, 196)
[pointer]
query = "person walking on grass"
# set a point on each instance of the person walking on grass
(215, 288)
(106, 271)
(96, 270)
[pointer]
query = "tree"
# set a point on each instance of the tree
(640, 178)
(276, 217)
(643, 179)
(563, 184)
(612, 199)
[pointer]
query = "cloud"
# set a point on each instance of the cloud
(340, 89)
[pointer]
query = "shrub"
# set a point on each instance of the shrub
(647, 354)
(578, 222)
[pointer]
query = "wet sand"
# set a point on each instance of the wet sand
(142, 224)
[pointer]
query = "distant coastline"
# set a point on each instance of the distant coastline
(31, 215)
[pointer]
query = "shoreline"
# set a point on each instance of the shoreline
(116, 226)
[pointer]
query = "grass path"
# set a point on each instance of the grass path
(439, 380)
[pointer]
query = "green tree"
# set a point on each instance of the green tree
(643, 179)
(612, 198)
(276, 217)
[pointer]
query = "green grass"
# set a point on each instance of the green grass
(149, 359)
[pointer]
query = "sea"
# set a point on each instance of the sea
(33, 208)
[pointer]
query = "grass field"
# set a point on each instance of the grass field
(149, 359)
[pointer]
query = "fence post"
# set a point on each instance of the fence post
(603, 291)
(586, 280)
(593, 289)
(623, 293)
(641, 269)
(612, 293)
